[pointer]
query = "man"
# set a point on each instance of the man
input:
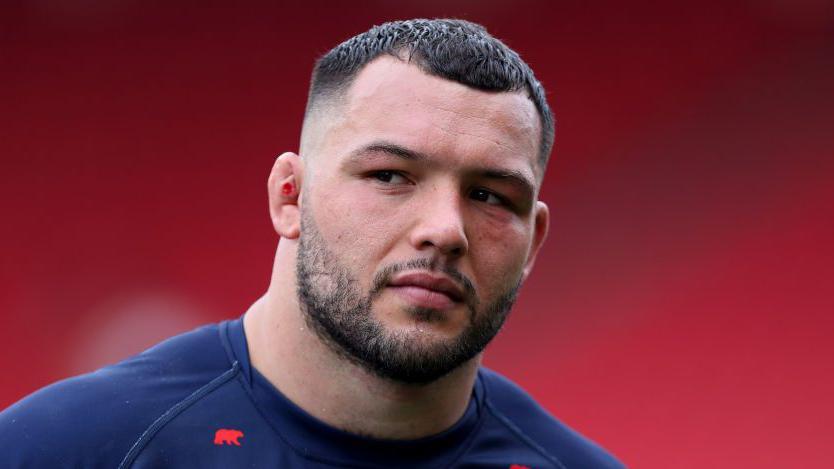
(409, 219)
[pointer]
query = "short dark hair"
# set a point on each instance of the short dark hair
(453, 49)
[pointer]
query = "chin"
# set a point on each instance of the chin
(426, 324)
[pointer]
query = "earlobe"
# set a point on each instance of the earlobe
(284, 192)
(542, 225)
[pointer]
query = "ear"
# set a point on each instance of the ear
(284, 193)
(542, 224)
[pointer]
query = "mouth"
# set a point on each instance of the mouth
(427, 290)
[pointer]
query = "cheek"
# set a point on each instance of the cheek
(364, 214)
(355, 224)
(499, 252)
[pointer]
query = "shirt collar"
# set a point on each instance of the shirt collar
(316, 440)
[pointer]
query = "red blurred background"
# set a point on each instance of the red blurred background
(680, 314)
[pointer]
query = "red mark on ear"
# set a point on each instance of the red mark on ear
(287, 188)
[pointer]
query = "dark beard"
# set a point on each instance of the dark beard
(341, 316)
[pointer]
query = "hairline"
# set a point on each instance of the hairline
(335, 97)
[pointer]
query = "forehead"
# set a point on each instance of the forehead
(394, 101)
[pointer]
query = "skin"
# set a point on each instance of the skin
(373, 208)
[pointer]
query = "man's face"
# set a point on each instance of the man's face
(419, 217)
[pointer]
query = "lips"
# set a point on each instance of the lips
(421, 285)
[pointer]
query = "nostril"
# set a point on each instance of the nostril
(455, 251)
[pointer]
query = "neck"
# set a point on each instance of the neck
(337, 391)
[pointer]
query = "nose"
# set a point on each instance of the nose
(440, 225)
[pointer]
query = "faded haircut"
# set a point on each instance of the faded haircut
(456, 50)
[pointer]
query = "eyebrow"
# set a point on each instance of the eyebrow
(516, 178)
(387, 147)
(511, 176)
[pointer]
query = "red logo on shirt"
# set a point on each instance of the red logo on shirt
(226, 436)
(518, 466)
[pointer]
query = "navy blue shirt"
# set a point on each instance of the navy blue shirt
(195, 401)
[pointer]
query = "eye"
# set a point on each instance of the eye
(483, 195)
(389, 177)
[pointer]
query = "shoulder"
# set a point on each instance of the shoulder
(92, 420)
(526, 420)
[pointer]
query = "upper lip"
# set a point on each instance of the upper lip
(436, 283)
